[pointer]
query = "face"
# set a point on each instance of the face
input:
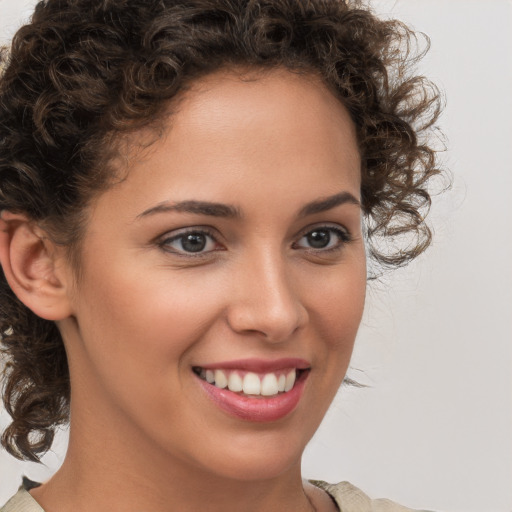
(223, 280)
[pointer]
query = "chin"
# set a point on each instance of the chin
(266, 457)
(266, 467)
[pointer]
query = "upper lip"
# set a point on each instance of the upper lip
(259, 365)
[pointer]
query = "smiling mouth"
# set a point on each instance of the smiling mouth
(252, 384)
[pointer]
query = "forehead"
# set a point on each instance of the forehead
(285, 103)
(256, 112)
(248, 131)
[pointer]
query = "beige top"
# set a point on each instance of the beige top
(347, 497)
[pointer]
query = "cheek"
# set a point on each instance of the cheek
(336, 303)
(135, 335)
(139, 326)
(336, 310)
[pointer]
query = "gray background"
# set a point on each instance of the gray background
(434, 429)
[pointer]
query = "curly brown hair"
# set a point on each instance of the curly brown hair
(84, 72)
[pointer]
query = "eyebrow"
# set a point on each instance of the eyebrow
(229, 211)
(197, 207)
(327, 203)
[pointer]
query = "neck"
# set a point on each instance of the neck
(105, 472)
(115, 463)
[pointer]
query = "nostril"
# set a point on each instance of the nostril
(273, 326)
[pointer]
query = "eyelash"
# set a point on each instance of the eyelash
(165, 243)
(343, 236)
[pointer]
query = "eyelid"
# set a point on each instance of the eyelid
(164, 240)
(342, 232)
(327, 226)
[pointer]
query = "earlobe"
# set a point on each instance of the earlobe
(30, 264)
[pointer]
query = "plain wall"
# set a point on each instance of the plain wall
(433, 429)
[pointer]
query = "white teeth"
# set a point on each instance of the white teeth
(290, 381)
(281, 382)
(235, 383)
(252, 384)
(221, 380)
(269, 385)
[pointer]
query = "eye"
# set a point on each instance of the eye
(323, 238)
(190, 242)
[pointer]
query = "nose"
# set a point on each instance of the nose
(265, 300)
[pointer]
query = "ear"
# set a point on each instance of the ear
(34, 267)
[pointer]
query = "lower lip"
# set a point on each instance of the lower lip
(261, 409)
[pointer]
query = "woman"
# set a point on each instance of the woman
(189, 195)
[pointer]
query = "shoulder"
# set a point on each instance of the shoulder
(349, 498)
(22, 501)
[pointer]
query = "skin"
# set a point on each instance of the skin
(144, 435)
